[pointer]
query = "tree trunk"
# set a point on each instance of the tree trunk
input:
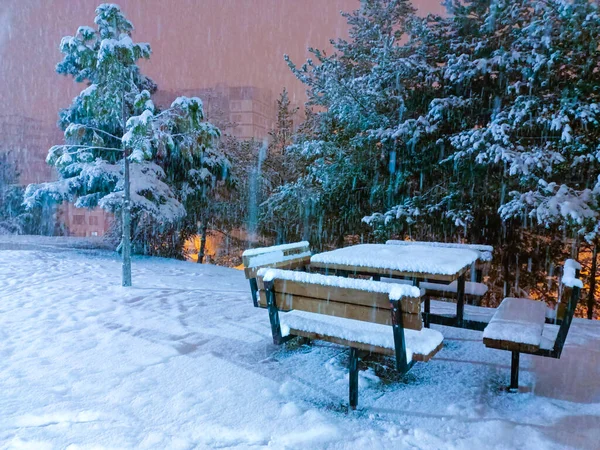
(340, 240)
(591, 298)
(202, 243)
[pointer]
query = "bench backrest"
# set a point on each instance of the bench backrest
(369, 301)
(571, 286)
(288, 256)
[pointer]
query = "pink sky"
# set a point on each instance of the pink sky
(195, 43)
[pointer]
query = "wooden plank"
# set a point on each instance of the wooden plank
(410, 305)
(344, 342)
(262, 298)
(288, 302)
(365, 347)
(388, 272)
(250, 272)
(510, 346)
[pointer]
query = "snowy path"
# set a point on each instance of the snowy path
(183, 360)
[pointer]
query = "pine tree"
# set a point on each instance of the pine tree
(480, 125)
(343, 166)
(173, 153)
(281, 135)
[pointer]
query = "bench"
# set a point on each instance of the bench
(285, 256)
(364, 315)
(520, 325)
(474, 289)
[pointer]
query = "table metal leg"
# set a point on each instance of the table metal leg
(514, 372)
(460, 303)
(427, 300)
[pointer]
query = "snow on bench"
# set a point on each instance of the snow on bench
(475, 289)
(420, 345)
(519, 323)
(361, 314)
(288, 256)
(471, 288)
(549, 335)
(338, 296)
(569, 278)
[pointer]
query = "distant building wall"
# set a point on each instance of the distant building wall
(245, 112)
(84, 222)
(27, 141)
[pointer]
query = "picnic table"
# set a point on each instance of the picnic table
(418, 263)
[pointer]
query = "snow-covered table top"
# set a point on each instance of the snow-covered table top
(429, 262)
(485, 251)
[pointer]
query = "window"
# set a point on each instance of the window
(93, 220)
(78, 219)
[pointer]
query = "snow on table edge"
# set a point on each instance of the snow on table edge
(395, 291)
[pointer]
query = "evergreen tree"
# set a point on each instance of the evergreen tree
(14, 218)
(343, 166)
(174, 155)
(480, 125)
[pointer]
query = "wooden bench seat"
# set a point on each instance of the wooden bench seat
(473, 290)
(364, 315)
(476, 316)
(285, 256)
(517, 325)
(520, 324)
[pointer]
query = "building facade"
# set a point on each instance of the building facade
(27, 141)
(245, 112)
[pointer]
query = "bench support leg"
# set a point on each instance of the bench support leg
(402, 365)
(514, 372)
(353, 377)
(254, 291)
(278, 339)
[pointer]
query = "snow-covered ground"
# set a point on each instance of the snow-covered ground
(183, 360)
